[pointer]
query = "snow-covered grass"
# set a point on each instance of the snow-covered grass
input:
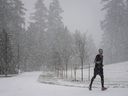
(117, 72)
(114, 72)
(26, 84)
(116, 76)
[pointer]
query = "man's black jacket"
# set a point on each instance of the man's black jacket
(98, 61)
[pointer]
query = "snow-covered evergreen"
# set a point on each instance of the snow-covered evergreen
(115, 31)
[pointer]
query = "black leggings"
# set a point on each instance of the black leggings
(98, 71)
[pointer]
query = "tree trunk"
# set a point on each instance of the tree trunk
(89, 72)
(66, 70)
(6, 54)
(75, 73)
(82, 69)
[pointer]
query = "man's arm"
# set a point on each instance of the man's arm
(96, 60)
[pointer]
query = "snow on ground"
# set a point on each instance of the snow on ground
(117, 72)
(114, 72)
(26, 84)
(116, 76)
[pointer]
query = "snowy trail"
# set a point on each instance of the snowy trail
(26, 84)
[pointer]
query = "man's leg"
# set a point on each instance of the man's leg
(102, 80)
(90, 86)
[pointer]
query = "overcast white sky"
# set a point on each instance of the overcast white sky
(78, 14)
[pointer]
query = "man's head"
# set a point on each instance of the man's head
(100, 51)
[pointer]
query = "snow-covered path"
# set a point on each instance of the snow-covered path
(26, 84)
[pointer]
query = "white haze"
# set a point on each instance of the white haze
(84, 15)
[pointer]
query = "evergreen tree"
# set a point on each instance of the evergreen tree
(113, 31)
(125, 26)
(37, 31)
(55, 28)
(5, 14)
(4, 20)
(10, 25)
(17, 29)
(54, 17)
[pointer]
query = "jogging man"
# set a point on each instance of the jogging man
(98, 70)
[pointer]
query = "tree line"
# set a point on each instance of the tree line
(51, 45)
(47, 44)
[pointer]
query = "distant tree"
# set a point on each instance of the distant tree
(17, 29)
(114, 31)
(55, 28)
(91, 47)
(11, 23)
(36, 36)
(81, 49)
(125, 20)
(6, 54)
(54, 17)
(5, 16)
(66, 48)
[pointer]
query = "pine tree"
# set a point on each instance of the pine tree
(11, 21)
(5, 20)
(17, 30)
(5, 14)
(55, 28)
(125, 26)
(37, 31)
(113, 31)
(54, 17)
